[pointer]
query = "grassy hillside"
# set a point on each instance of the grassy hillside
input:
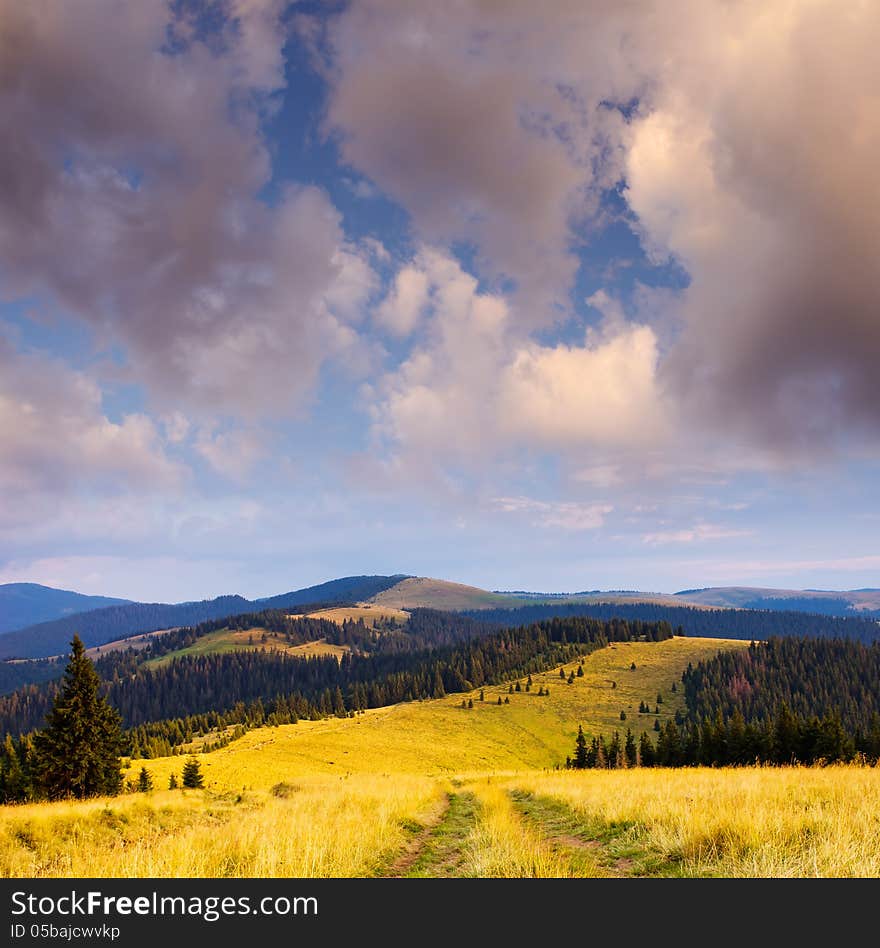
(241, 640)
(372, 615)
(440, 737)
(439, 594)
(431, 789)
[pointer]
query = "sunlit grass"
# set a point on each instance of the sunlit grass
(733, 821)
(324, 828)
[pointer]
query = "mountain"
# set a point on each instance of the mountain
(99, 626)
(124, 619)
(860, 602)
(349, 588)
(24, 604)
(422, 591)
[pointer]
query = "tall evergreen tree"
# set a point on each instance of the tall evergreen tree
(77, 753)
(192, 774)
(145, 781)
(580, 750)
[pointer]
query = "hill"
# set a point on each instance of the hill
(438, 736)
(858, 602)
(421, 591)
(430, 788)
(24, 604)
(101, 626)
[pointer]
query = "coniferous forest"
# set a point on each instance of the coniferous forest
(163, 706)
(744, 624)
(778, 702)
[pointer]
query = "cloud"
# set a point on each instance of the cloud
(499, 138)
(755, 167)
(231, 453)
(403, 306)
(699, 533)
(745, 137)
(57, 442)
(131, 199)
(473, 387)
(558, 515)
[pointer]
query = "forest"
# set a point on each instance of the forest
(782, 701)
(744, 624)
(248, 688)
(99, 626)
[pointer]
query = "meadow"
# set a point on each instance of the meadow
(432, 788)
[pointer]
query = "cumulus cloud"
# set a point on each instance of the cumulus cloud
(473, 386)
(130, 198)
(403, 306)
(755, 168)
(231, 453)
(57, 441)
(482, 121)
(745, 136)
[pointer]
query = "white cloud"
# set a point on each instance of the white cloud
(233, 453)
(473, 387)
(699, 533)
(402, 308)
(558, 515)
(56, 441)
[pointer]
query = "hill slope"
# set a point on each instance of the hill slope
(422, 591)
(438, 736)
(24, 604)
(101, 626)
(864, 602)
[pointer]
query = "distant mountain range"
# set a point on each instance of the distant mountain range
(125, 619)
(23, 604)
(98, 620)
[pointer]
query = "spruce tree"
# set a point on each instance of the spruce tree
(77, 754)
(172, 782)
(192, 774)
(145, 781)
(580, 750)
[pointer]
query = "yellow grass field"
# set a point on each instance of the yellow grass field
(238, 640)
(371, 614)
(433, 789)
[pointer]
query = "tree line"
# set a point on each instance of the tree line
(743, 624)
(248, 688)
(783, 701)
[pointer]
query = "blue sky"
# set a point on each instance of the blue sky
(560, 301)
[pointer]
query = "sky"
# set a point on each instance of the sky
(551, 297)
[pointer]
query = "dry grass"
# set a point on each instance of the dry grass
(766, 822)
(371, 614)
(501, 846)
(316, 828)
(353, 790)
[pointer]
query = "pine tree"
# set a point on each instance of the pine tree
(192, 774)
(77, 753)
(580, 671)
(172, 782)
(580, 750)
(623, 715)
(630, 749)
(145, 781)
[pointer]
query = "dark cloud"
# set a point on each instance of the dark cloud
(128, 195)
